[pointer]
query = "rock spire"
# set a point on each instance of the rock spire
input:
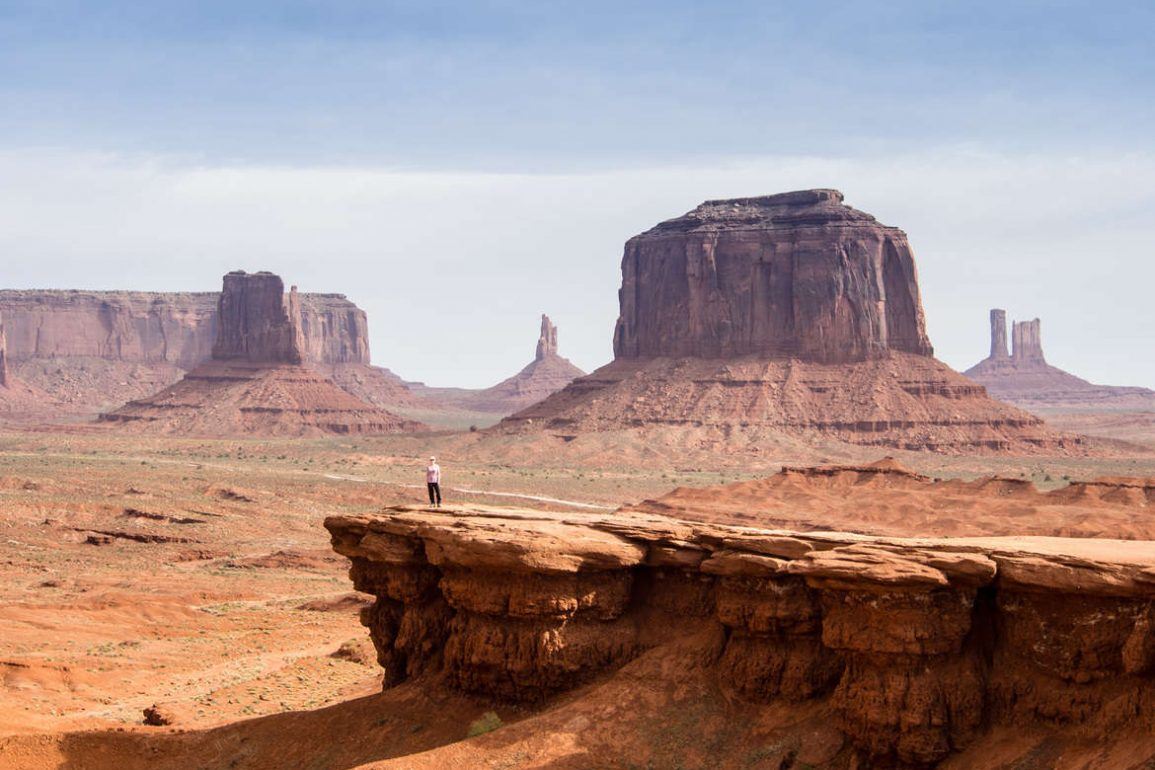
(999, 334)
(547, 342)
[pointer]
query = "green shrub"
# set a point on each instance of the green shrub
(487, 723)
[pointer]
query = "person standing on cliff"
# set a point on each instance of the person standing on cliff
(433, 482)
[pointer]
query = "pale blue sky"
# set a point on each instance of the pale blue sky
(458, 168)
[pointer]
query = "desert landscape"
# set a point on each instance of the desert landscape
(774, 532)
(449, 385)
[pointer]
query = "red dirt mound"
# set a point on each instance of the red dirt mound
(886, 499)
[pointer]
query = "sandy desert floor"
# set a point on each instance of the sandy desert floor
(195, 574)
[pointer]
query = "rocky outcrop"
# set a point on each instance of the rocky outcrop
(547, 342)
(161, 327)
(256, 382)
(884, 498)
(999, 335)
(784, 314)
(548, 373)
(914, 648)
(256, 322)
(1024, 377)
(797, 275)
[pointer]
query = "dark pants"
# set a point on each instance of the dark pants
(434, 493)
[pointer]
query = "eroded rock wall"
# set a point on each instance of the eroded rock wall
(797, 274)
(916, 647)
(161, 327)
(255, 321)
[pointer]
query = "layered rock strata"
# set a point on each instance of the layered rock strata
(256, 382)
(915, 647)
(1024, 378)
(798, 274)
(95, 350)
(18, 400)
(789, 313)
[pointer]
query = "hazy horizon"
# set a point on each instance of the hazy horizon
(458, 169)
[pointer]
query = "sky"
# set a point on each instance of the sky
(457, 169)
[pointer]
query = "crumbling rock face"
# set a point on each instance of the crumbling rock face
(798, 274)
(1024, 377)
(256, 382)
(914, 646)
(786, 314)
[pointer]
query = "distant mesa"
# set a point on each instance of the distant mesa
(257, 381)
(93, 351)
(1023, 377)
(548, 373)
(790, 313)
(18, 400)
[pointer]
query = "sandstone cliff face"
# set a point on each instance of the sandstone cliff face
(798, 274)
(256, 322)
(256, 382)
(93, 351)
(153, 327)
(914, 649)
(1024, 377)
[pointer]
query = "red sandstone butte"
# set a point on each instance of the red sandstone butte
(798, 274)
(256, 382)
(95, 350)
(789, 313)
(1024, 378)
